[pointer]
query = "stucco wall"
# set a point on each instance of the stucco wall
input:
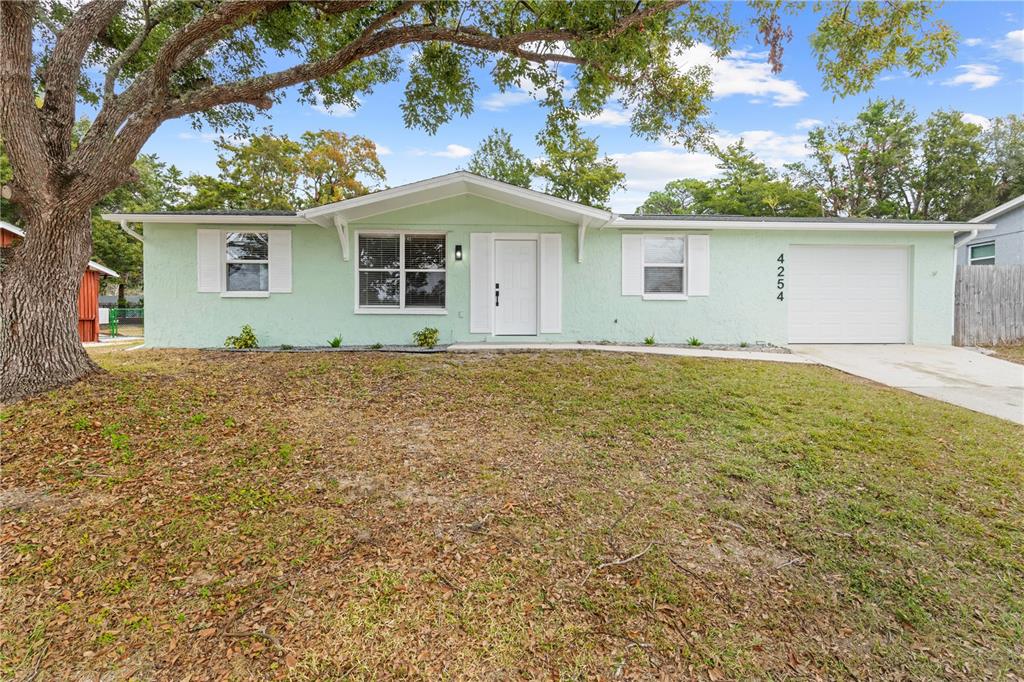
(1008, 236)
(741, 307)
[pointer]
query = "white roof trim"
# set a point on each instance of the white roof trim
(93, 265)
(999, 210)
(205, 219)
(754, 224)
(452, 185)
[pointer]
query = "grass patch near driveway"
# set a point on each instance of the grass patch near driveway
(565, 515)
(1013, 353)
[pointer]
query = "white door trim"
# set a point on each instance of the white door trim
(521, 237)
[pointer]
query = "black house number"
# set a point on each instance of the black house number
(780, 283)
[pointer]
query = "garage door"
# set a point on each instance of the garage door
(847, 294)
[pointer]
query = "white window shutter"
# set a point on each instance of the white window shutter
(209, 260)
(632, 265)
(550, 284)
(280, 249)
(698, 265)
(481, 281)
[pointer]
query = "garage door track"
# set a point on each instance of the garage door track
(954, 375)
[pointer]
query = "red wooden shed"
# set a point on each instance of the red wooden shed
(88, 291)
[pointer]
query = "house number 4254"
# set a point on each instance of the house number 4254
(780, 283)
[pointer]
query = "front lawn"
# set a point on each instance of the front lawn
(561, 515)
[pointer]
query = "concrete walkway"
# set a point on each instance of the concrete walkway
(695, 352)
(954, 375)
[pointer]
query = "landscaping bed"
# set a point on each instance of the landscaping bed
(573, 515)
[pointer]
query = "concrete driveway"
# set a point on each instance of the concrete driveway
(954, 375)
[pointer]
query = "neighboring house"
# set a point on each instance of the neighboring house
(88, 291)
(1003, 245)
(481, 260)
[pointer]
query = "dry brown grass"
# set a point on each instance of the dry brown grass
(340, 516)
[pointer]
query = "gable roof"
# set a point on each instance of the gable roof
(92, 265)
(460, 183)
(451, 185)
(999, 210)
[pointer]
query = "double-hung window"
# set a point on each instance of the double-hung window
(403, 272)
(247, 261)
(664, 267)
(983, 254)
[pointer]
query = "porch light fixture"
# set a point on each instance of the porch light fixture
(458, 252)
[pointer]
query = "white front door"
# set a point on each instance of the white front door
(848, 294)
(515, 287)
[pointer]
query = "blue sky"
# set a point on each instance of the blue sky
(772, 113)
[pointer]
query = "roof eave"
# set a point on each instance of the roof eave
(205, 219)
(625, 224)
(999, 210)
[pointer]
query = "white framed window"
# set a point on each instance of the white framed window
(401, 272)
(982, 254)
(246, 261)
(664, 267)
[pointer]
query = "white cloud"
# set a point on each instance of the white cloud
(336, 110)
(382, 150)
(649, 170)
(607, 117)
(742, 73)
(205, 137)
(976, 119)
(978, 76)
(973, 42)
(807, 123)
(1012, 45)
(500, 101)
(771, 147)
(452, 151)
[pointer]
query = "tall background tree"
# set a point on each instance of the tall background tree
(571, 167)
(746, 186)
(268, 171)
(497, 158)
(883, 164)
(158, 61)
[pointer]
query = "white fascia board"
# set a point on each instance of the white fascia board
(909, 226)
(201, 219)
(93, 265)
(999, 210)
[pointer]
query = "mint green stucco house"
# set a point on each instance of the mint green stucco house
(483, 261)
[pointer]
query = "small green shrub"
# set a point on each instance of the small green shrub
(286, 346)
(377, 346)
(335, 342)
(743, 344)
(649, 341)
(694, 341)
(426, 337)
(245, 339)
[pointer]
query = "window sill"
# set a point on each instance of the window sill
(245, 294)
(400, 311)
(666, 297)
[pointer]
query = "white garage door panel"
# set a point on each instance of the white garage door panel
(848, 294)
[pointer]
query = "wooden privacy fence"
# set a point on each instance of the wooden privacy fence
(989, 305)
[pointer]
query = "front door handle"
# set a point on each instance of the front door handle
(496, 294)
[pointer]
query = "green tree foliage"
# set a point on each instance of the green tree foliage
(746, 186)
(498, 158)
(571, 168)
(888, 164)
(270, 171)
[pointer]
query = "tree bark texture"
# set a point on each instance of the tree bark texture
(39, 345)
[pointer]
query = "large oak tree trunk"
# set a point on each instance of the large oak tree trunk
(39, 345)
